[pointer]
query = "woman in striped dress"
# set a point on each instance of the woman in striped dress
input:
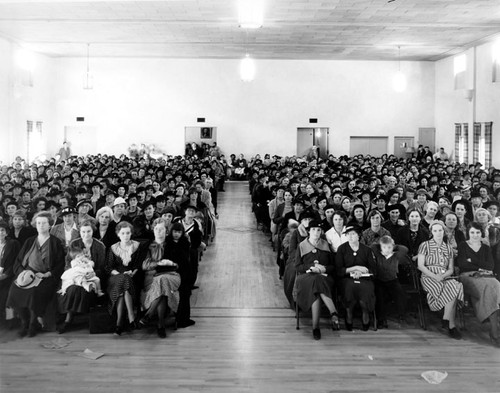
(123, 265)
(435, 261)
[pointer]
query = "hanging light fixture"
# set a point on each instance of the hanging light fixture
(247, 69)
(399, 81)
(250, 14)
(88, 81)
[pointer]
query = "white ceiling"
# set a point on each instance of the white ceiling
(293, 29)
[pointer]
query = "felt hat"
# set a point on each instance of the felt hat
(352, 227)
(84, 202)
(27, 279)
(119, 201)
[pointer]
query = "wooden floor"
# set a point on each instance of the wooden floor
(245, 340)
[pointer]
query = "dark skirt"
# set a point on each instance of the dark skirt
(76, 300)
(289, 282)
(35, 299)
(117, 286)
(310, 286)
(356, 291)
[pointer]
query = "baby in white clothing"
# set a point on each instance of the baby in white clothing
(82, 274)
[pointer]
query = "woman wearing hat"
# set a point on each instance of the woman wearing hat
(67, 230)
(143, 224)
(192, 229)
(105, 230)
(38, 268)
(476, 265)
(315, 266)
(76, 299)
(355, 264)
(297, 237)
(436, 262)
(82, 208)
(395, 222)
(123, 265)
(9, 249)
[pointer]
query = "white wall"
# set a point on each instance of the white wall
(452, 107)
(153, 100)
(20, 103)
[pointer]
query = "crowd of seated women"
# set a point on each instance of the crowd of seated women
(346, 229)
(126, 232)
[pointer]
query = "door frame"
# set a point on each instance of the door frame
(314, 129)
(405, 137)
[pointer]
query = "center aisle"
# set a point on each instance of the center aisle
(238, 271)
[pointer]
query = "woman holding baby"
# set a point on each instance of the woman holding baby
(78, 296)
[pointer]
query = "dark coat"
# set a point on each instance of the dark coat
(9, 256)
(24, 234)
(56, 252)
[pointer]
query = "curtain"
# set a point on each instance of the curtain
(488, 128)
(465, 139)
(475, 141)
(458, 134)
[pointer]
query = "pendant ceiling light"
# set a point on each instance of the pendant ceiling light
(250, 14)
(399, 81)
(88, 80)
(247, 69)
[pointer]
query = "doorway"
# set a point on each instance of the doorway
(309, 137)
(81, 139)
(403, 146)
(374, 146)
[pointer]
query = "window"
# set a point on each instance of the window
(482, 143)
(496, 61)
(34, 139)
(459, 70)
(461, 142)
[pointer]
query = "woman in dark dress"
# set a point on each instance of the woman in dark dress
(38, 268)
(314, 263)
(76, 299)
(123, 265)
(177, 250)
(20, 230)
(476, 264)
(412, 235)
(297, 237)
(355, 262)
(9, 249)
(193, 230)
(106, 227)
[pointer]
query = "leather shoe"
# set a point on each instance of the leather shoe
(185, 324)
(455, 333)
(161, 332)
(317, 334)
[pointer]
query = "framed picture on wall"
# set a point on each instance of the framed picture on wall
(206, 133)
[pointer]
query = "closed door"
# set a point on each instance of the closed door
(401, 144)
(427, 137)
(81, 139)
(305, 140)
(374, 146)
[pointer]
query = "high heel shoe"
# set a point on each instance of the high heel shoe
(366, 326)
(335, 321)
(348, 326)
